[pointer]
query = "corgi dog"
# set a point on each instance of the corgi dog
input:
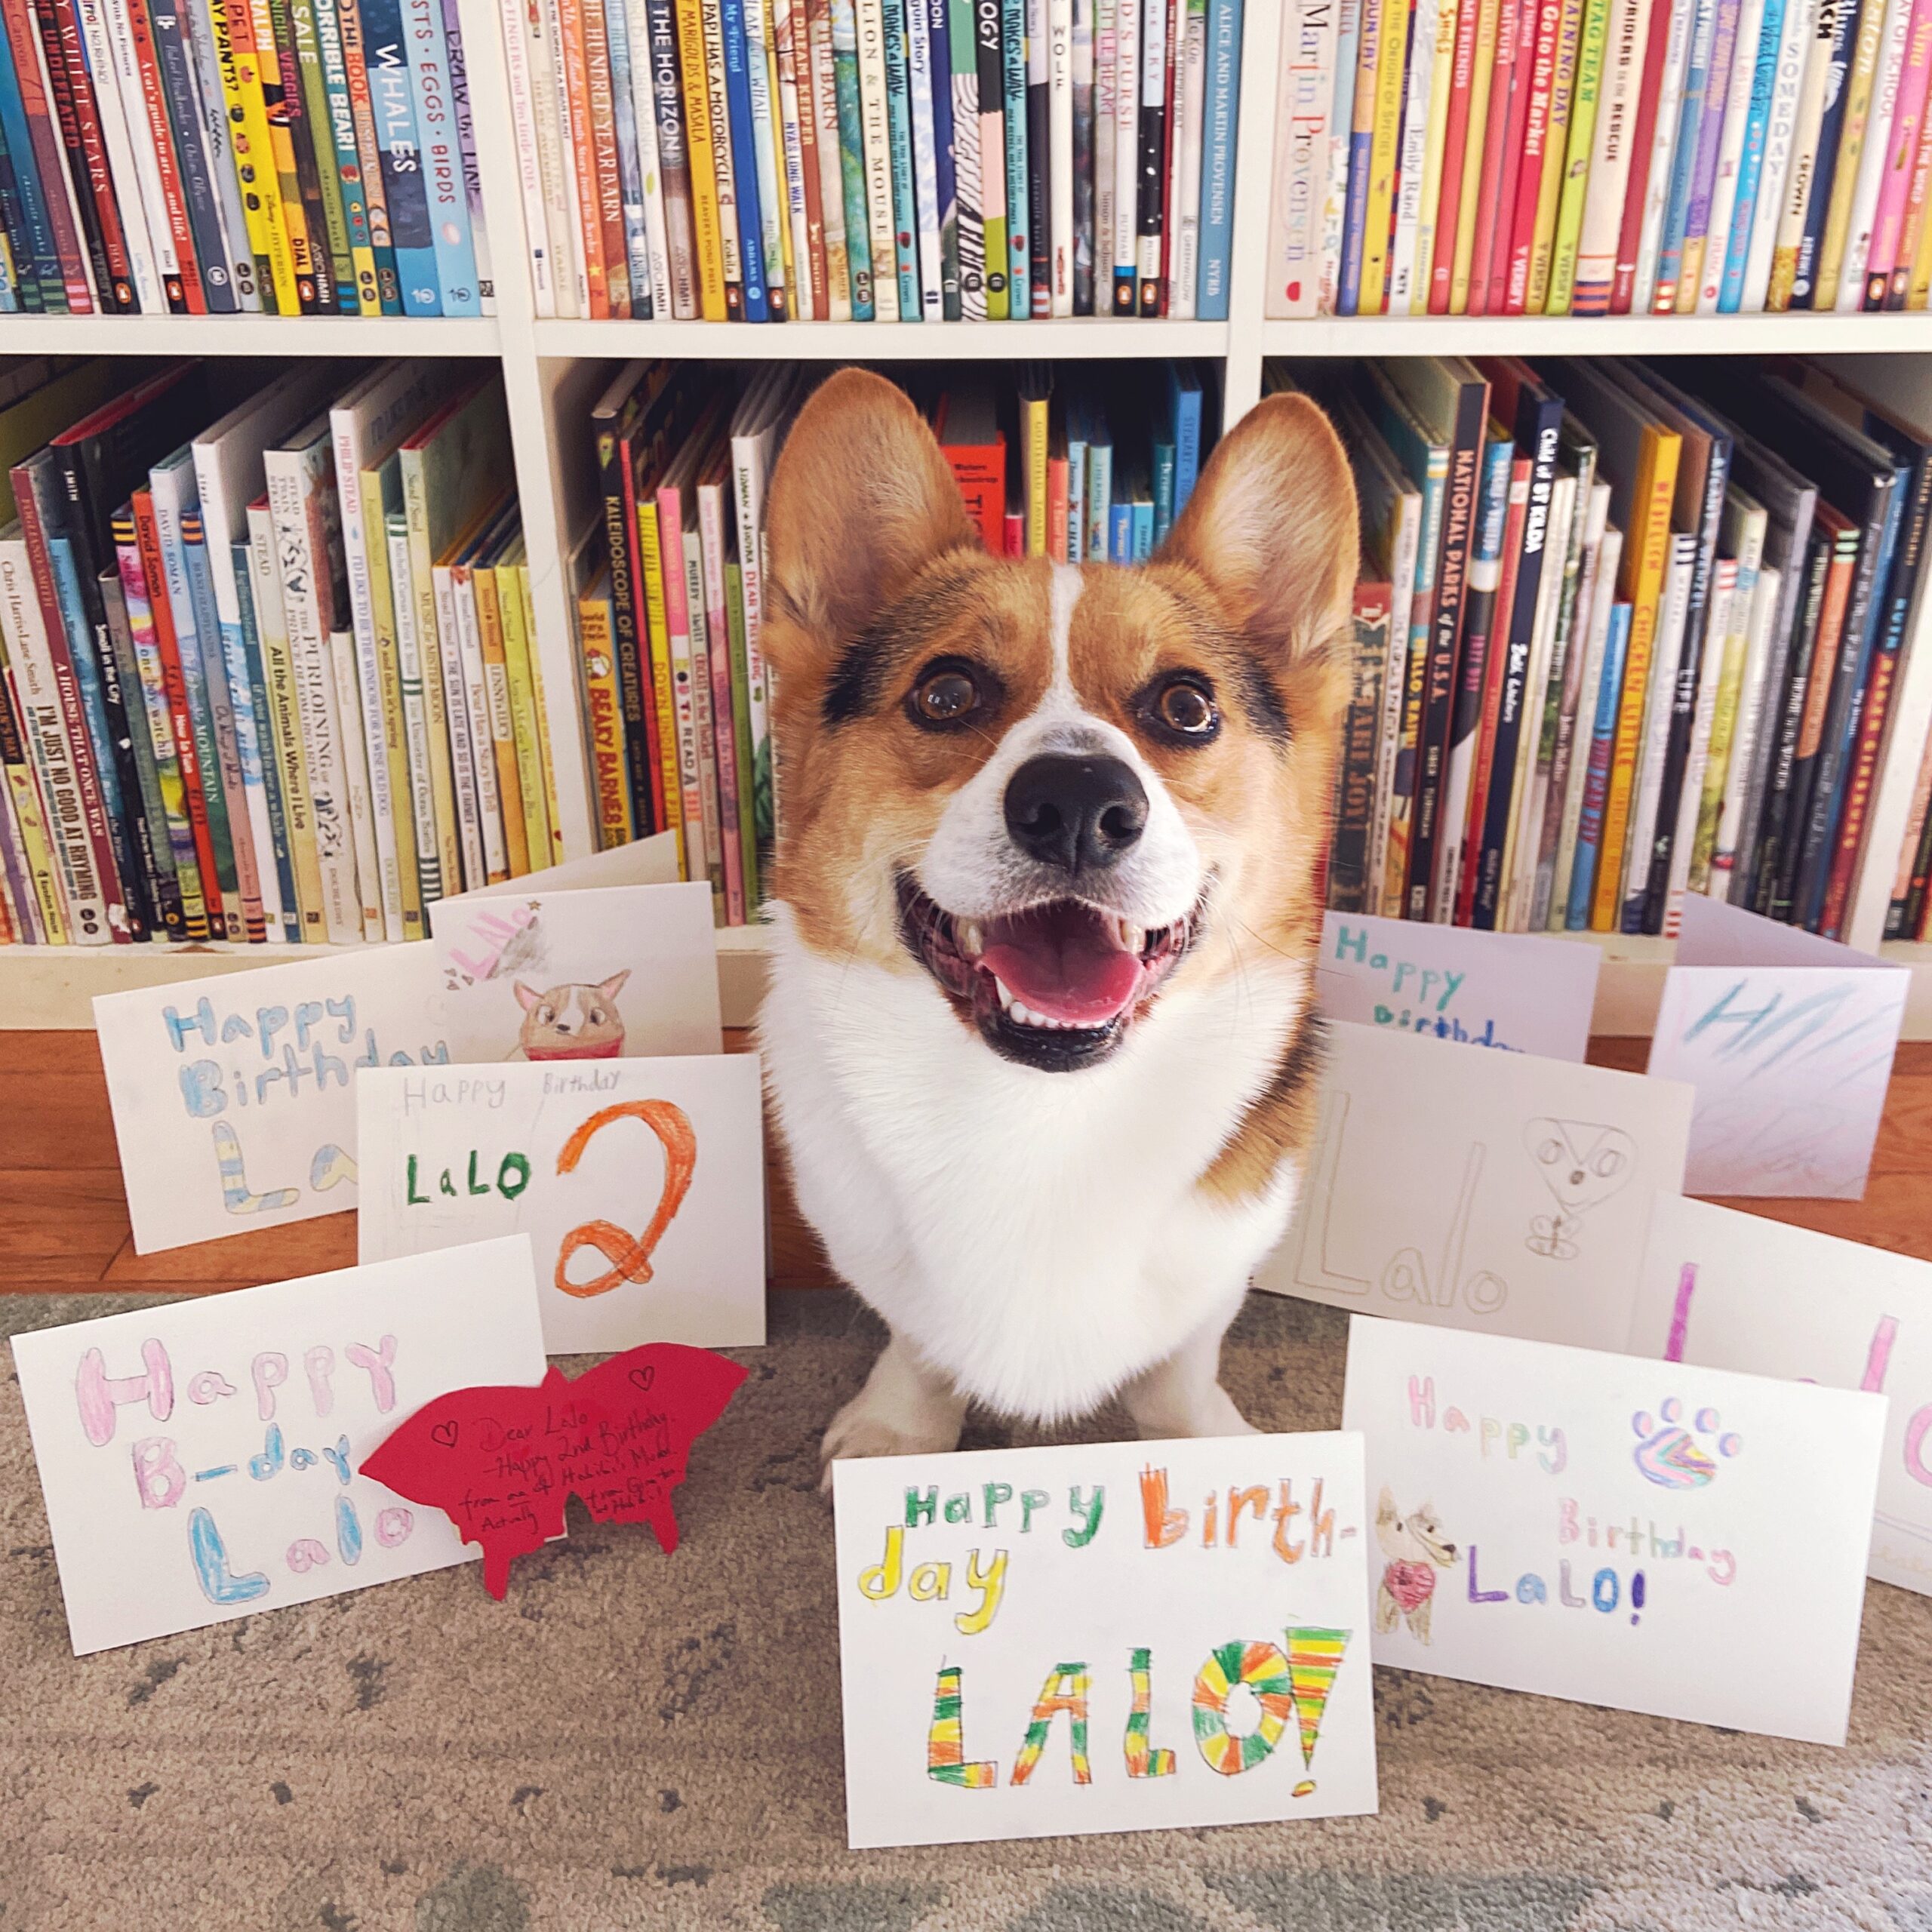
(1038, 1030)
(571, 1022)
(1415, 1549)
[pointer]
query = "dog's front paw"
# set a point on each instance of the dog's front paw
(867, 1427)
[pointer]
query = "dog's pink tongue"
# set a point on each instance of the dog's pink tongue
(1058, 962)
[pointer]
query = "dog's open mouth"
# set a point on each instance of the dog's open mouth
(1056, 987)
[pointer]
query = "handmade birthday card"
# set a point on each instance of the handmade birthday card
(1490, 1190)
(1788, 1039)
(234, 1096)
(1732, 1290)
(204, 1461)
(1652, 1536)
(606, 973)
(1526, 993)
(1116, 1636)
(640, 1182)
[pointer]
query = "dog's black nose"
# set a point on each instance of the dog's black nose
(1081, 814)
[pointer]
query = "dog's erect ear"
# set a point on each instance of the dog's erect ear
(861, 499)
(525, 998)
(1385, 1506)
(614, 985)
(1272, 526)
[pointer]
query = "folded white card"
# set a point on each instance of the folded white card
(641, 1182)
(1788, 1040)
(1737, 1291)
(1682, 1541)
(1525, 992)
(595, 974)
(1490, 1190)
(1107, 1637)
(203, 1461)
(233, 1095)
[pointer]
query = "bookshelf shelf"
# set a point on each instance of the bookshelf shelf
(251, 335)
(1791, 334)
(53, 986)
(551, 374)
(1090, 337)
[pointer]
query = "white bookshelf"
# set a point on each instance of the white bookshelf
(553, 368)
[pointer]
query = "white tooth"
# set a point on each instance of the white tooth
(1004, 991)
(972, 941)
(1019, 1014)
(1134, 940)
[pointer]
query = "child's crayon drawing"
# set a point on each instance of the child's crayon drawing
(1104, 1637)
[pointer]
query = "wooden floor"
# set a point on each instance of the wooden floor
(63, 1220)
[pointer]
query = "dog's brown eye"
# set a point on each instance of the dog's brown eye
(952, 694)
(1183, 708)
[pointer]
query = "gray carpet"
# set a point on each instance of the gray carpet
(635, 1741)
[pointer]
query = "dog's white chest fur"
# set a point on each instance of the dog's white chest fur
(1039, 1238)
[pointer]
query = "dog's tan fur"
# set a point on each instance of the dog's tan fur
(874, 571)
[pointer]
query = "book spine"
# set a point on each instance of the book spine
(823, 67)
(1518, 248)
(302, 900)
(799, 125)
(1901, 159)
(1301, 160)
(1608, 174)
(445, 189)
(1651, 166)
(773, 225)
(874, 131)
(1831, 127)
(851, 149)
(923, 87)
(704, 725)
(1039, 219)
(522, 25)
(1081, 80)
(1013, 124)
(717, 636)
(707, 224)
(526, 742)
(42, 152)
(91, 898)
(1730, 270)
(1460, 105)
(635, 223)
(389, 57)
(1873, 50)
(746, 199)
(905, 215)
(604, 710)
(674, 170)
(678, 620)
(86, 120)
(1127, 48)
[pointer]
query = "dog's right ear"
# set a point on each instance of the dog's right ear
(861, 500)
(1385, 1506)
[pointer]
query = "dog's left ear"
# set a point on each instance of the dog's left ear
(1272, 526)
(861, 500)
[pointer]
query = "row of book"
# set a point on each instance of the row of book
(1612, 646)
(670, 584)
(275, 157)
(1594, 157)
(876, 160)
(266, 676)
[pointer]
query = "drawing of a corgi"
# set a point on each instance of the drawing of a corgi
(572, 1022)
(1415, 1547)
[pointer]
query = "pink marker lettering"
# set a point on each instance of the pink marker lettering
(99, 1394)
(158, 1476)
(378, 1363)
(319, 1364)
(270, 1370)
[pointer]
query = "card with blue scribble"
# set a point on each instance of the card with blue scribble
(1788, 1039)
(234, 1096)
(1685, 1542)
(203, 1462)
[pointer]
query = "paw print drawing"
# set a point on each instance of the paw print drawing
(1581, 1164)
(1669, 1455)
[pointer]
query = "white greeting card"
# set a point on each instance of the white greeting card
(233, 1095)
(1490, 1191)
(595, 974)
(1111, 1637)
(1734, 1290)
(652, 861)
(640, 1182)
(1788, 1040)
(1685, 1542)
(203, 1461)
(1527, 992)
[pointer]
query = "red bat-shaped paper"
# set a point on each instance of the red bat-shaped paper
(499, 1462)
